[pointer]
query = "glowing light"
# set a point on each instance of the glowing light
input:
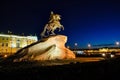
(117, 43)
(103, 54)
(16, 36)
(68, 47)
(111, 56)
(103, 50)
(89, 45)
(5, 56)
(13, 45)
(76, 44)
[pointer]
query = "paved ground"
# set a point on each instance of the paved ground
(75, 69)
(76, 60)
(88, 59)
(58, 62)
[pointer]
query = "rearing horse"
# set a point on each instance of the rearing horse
(52, 25)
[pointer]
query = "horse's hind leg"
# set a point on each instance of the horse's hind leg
(52, 32)
(48, 33)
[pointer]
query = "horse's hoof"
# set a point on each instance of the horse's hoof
(52, 34)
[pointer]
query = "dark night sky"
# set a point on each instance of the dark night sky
(85, 21)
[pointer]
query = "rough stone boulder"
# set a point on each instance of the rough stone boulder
(49, 48)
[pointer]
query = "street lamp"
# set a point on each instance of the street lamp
(89, 46)
(75, 49)
(75, 45)
(117, 44)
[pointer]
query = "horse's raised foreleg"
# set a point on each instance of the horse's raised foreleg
(62, 27)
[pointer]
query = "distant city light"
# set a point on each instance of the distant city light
(75, 44)
(117, 43)
(68, 46)
(112, 56)
(89, 45)
(5, 56)
(103, 54)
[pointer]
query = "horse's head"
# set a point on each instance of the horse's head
(58, 17)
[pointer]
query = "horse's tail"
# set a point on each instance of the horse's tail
(43, 33)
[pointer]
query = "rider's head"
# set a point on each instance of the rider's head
(51, 12)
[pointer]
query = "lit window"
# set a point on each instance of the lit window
(18, 41)
(6, 38)
(2, 44)
(3, 38)
(18, 45)
(6, 50)
(6, 44)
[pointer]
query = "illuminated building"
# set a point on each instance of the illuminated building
(10, 43)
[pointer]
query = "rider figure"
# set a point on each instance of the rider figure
(54, 17)
(52, 24)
